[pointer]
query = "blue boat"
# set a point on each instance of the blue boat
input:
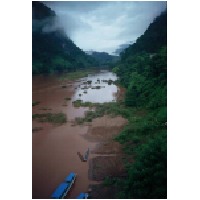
(82, 196)
(70, 178)
(60, 191)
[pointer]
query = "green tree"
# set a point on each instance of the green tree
(148, 174)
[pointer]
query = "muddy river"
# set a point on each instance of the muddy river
(97, 88)
(55, 147)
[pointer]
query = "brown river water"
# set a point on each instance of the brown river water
(54, 148)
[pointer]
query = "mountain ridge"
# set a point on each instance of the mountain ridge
(54, 51)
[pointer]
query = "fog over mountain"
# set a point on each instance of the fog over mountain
(104, 25)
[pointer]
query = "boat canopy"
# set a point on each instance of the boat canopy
(60, 190)
(70, 177)
(81, 196)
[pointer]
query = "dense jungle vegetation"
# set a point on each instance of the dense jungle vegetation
(143, 72)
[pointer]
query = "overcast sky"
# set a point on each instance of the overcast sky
(105, 25)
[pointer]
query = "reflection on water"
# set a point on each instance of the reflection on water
(97, 88)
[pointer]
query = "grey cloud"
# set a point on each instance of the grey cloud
(103, 26)
(75, 6)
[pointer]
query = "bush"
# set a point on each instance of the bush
(57, 118)
(35, 103)
(147, 176)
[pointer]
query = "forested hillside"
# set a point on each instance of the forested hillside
(143, 72)
(52, 50)
(104, 59)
